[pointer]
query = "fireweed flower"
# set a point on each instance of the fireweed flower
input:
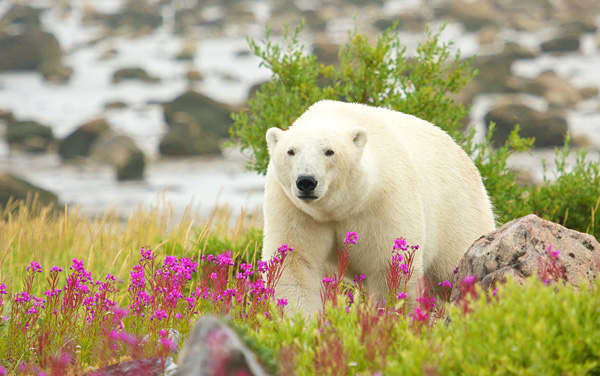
(282, 302)
(359, 278)
(146, 254)
(34, 267)
(468, 280)
(455, 270)
(553, 252)
(56, 269)
(284, 249)
(328, 280)
(351, 238)
(159, 314)
(418, 315)
(402, 295)
(400, 244)
(446, 283)
(22, 297)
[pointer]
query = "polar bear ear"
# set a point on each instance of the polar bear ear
(359, 137)
(273, 135)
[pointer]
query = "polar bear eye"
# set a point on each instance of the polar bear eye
(329, 152)
(291, 152)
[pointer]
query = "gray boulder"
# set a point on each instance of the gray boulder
(133, 74)
(549, 129)
(28, 135)
(141, 16)
(14, 188)
(186, 139)
(79, 142)
(472, 14)
(22, 15)
(197, 124)
(212, 348)
(205, 113)
(122, 153)
(36, 50)
(564, 43)
(520, 247)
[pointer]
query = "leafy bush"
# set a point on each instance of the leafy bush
(573, 197)
(380, 74)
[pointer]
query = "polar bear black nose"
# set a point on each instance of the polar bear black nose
(306, 184)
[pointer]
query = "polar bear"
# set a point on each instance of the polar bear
(383, 174)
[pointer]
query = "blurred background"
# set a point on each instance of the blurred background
(117, 103)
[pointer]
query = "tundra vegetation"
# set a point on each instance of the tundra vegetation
(78, 294)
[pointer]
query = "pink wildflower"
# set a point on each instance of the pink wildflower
(400, 244)
(351, 238)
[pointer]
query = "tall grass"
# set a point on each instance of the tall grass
(110, 243)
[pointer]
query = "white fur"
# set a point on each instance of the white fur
(391, 175)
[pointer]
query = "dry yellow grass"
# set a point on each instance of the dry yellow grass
(29, 232)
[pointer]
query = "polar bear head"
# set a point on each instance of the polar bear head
(318, 164)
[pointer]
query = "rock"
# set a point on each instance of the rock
(493, 72)
(122, 153)
(212, 348)
(487, 35)
(548, 129)
(412, 21)
(15, 188)
(516, 51)
(185, 139)
(472, 14)
(188, 50)
(6, 115)
(201, 111)
(326, 51)
(588, 92)
(23, 15)
(140, 16)
(314, 20)
(133, 73)
(194, 75)
(556, 90)
(29, 136)
(517, 248)
(33, 49)
(564, 43)
(187, 19)
(79, 142)
(584, 25)
(239, 13)
(524, 22)
(115, 105)
(254, 88)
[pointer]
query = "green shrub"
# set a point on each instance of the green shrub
(378, 75)
(572, 198)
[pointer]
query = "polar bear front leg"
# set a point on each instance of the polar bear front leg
(306, 265)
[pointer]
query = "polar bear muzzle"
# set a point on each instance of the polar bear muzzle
(306, 185)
